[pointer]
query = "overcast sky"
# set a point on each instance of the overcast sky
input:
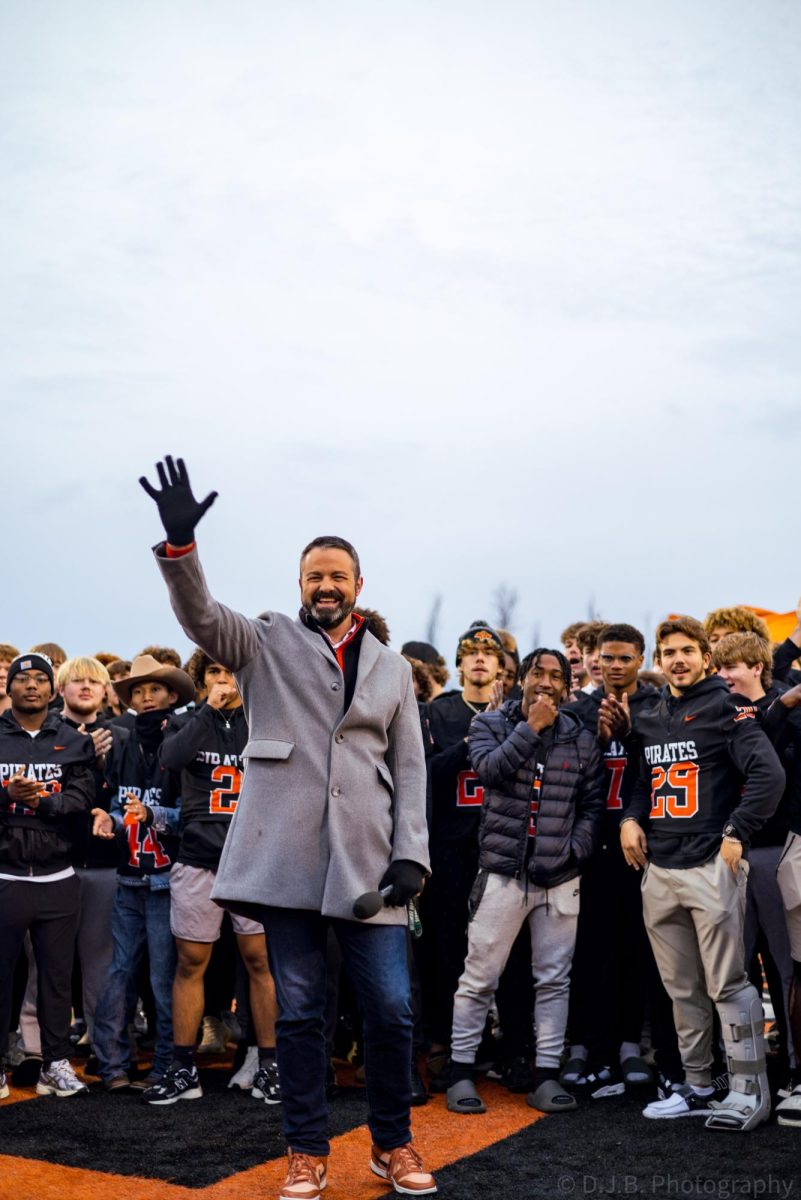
(502, 292)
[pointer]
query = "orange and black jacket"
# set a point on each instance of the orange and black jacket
(38, 841)
(704, 763)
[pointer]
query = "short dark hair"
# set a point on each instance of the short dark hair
(532, 660)
(196, 666)
(332, 543)
(166, 655)
(623, 633)
(688, 627)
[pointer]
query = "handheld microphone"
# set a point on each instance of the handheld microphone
(370, 903)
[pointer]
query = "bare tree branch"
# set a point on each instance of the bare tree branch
(505, 600)
(432, 628)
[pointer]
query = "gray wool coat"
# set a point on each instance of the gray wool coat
(329, 798)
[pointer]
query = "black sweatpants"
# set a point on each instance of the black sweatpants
(50, 912)
(609, 977)
(444, 914)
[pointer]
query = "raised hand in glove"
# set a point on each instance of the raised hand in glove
(178, 508)
(406, 880)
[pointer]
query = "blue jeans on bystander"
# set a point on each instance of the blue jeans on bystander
(140, 917)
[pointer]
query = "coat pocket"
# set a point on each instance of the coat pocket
(385, 776)
(267, 748)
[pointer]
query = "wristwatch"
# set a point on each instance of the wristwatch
(730, 832)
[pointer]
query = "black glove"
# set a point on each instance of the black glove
(406, 880)
(178, 508)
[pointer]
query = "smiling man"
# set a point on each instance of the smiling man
(332, 805)
(45, 772)
(711, 779)
(541, 774)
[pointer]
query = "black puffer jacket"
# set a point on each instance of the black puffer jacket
(505, 753)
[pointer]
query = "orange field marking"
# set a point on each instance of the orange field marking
(441, 1137)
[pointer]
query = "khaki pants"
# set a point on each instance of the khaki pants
(694, 918)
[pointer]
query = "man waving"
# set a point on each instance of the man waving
(332, 805)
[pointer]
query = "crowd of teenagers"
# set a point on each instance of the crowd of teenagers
(615, 883)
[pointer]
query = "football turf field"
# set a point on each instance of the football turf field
(228, 1146)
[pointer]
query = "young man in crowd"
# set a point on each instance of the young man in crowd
(587, 638)
(7, 655)
(144, 817)
(613, 968)
(120, 668)
(578, 676)
(541, 773)
(457, 797)
(431, 658)
(511, 666)
(712, 779)
(745, 661)
(206, 748)
(45, 772)
(81, 684)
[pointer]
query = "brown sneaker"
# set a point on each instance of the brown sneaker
(403, 1168)
(305, 1178)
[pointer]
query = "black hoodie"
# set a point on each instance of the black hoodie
(704, 762)
(456, 793)
(37, 841)
(622, 769)
(206, 749)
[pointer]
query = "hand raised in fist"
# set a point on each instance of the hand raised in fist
(178, 508)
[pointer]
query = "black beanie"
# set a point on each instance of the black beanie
(423, 651)
(32, 661)
(480, 634)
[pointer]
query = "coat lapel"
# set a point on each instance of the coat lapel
(321, 644)
(369, 654)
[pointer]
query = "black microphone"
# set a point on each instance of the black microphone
(370, 903)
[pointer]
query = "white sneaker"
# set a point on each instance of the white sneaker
(59, 1080)
(684, 1102)
(243, 1078)
(789, 1111)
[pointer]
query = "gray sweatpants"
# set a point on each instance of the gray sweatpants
(694, 918)
(552, 914)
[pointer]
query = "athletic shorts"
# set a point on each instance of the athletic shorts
(788, 876)
(194, 916)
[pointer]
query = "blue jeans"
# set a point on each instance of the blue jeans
(139, 917)
(375, 959)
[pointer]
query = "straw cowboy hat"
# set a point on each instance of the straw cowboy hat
(147, 669)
